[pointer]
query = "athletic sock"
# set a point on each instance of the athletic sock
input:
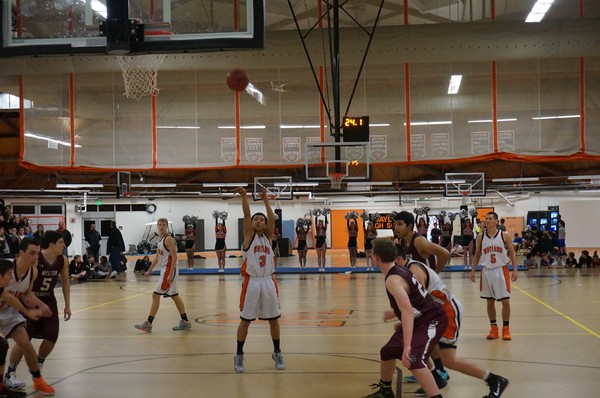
(276, 346)
(12, 367)
(150, 319)
(240, 348)
(493, 322)
(40, 359)
(487, 375)
(505, 323)
(184, 317)
(438, 364)
(438, 396)
(385, 384)
(36, 374)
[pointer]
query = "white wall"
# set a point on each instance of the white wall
(579, 211)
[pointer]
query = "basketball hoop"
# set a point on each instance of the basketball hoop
(336, 180)
(140, 74)
(465, 195)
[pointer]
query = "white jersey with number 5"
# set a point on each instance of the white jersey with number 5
(494, 253)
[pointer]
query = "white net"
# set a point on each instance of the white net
(336, 180)
(140, 74)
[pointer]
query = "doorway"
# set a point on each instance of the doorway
(102, 226)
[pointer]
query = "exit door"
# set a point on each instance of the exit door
(102, 226)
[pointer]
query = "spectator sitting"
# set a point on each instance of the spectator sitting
(571, 262)
(103, 269)
(77, 268)
(517, 242)
(529, 261)
(123, 263)
(558, 262)
(457, 251)
(545, 260)
(142, 264)
(527, 239)
(595, 260)
(585, 261)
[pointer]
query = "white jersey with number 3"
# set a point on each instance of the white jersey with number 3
(259, 259)
(494, 253)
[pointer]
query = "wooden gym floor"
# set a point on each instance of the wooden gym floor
(331, 335)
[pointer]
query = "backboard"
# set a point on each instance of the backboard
(352, 159)
(89, 27)
(279, 187)
(464, 184)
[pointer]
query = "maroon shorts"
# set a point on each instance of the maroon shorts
(425, 336)
(44, 328)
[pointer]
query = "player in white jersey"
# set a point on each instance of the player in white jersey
(12, 322)
(259, 297)
(447, 344)
(166, 259)
(495, 252)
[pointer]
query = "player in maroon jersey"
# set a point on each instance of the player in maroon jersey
(423, 322)
(418, 247)
(52, 264)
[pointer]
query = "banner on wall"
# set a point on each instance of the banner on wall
(378, 147)
(313, 154)
(440, 145)
(417, 146)
(253, 149)
(291, 149)
(385, 221)
(480, 142)
(506, 141)
(228, 149)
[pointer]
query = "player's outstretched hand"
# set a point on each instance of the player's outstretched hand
(241, 191)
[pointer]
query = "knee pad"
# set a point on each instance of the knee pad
(3, 351)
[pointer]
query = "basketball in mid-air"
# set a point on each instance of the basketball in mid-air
(237, 79)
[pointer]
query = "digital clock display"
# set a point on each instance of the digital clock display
(356, 121)
(356, 129)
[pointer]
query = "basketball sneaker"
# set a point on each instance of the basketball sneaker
(497, 385)
(278, 358)
(493, 333)
(144, 327)
(238, 363)
(382, 391)
(6, 393)
(413, 379)
(183, 325)
(40, 385)
(506, 333)
(12, 382)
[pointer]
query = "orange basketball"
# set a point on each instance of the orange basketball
(237, 79)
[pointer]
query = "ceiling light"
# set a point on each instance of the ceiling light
(79, 186)
(555, 117)
(454, 84)
(256, 127)
(539, 10)
(179, 127)
(49, 139)
(516, 179)
(442, 182)
(371, 183)
(441, 122)
(379, 125)
(159, 185)
(297, 184)
(490, 120)
(224, 184)
(591, 177)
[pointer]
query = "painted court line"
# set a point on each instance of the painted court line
(558, 312)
